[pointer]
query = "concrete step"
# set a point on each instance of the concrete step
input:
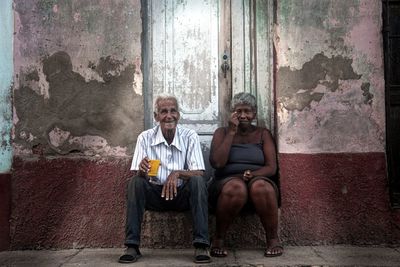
(174, 230)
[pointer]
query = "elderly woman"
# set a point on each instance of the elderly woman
(244, 157)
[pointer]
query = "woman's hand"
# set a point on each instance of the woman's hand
(233, 122)
(247, 176)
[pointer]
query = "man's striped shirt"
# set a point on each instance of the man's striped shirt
(184, 153)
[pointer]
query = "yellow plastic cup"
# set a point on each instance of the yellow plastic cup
(154, 164)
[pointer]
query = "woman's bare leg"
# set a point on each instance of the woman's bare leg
(265, 202)
(231, 200)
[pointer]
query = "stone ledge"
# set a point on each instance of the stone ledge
(174, 230)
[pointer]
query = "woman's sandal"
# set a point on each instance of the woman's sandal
(218, 252)
(217, 249)
(272, 251)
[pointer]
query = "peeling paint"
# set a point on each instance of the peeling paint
(89, 83)
(330, 87)
(138, 77)
(57, 137)
(307, 27)
(86, 117)
(33, 78)
(35, 38)
(366, 32)
(339, 122)
(321, 70)
(366, 93)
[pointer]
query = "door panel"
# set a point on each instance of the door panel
(252, 58)
(185, 59)
(184, 42)
(241, 50)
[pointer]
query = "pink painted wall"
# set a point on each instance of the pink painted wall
(78, 108)
(77, 77)
(330, 79)
(331, 123)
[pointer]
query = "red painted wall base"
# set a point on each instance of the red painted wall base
(5, 203)
(337, 199)
(78, 202)
(68, 202)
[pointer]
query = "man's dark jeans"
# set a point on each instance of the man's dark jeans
(143, 195)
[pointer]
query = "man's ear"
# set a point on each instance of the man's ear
(155, 116)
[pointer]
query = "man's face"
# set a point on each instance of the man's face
(167, 115)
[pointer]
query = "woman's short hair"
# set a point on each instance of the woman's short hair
(244, 99)
(164, 96)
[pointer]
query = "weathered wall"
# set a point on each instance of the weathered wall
(75, 202)
(331, 123)
(77, 77)
(330, 85)
(78, 109)
(6, 71)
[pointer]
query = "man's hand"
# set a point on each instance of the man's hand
(170, 189)
(144, 167)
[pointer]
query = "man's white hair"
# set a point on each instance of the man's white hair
(164, 96)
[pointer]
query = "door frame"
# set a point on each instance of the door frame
(146, 63)
(392, 97)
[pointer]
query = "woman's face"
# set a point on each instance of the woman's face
(245, 113)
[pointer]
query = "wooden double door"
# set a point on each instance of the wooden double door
(205, 51)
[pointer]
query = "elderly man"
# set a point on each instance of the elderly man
(178, 185)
